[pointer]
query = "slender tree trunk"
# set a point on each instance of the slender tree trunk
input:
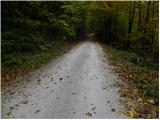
(131, 18)
(130, 23)
(147, 15)
(139, 19)
(153, 5)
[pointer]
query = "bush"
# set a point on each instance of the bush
(152, 89)
(149, 62)
(13, 60)
(131, 57)
(145, 61)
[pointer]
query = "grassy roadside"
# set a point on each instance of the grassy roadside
(139, 86)
(21, 64)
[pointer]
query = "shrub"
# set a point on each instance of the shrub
(13, 60)
(132, 57)
(152, 89)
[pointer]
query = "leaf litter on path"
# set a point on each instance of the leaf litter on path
(93, 108)
(88, 114)
(37, 111)
(24, 102)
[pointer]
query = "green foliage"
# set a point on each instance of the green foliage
(13, 60)
(132, 57)
(111, 26)
(152, 90)
(31, 27)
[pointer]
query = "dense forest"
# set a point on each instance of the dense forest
(130, 26)
(34, 27)
(30, 27)
(33, 32)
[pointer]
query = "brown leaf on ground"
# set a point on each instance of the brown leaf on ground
(24, 102)
(89, 114)
(136, 88)
(93, 108)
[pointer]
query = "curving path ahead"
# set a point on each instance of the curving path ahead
(80, 84)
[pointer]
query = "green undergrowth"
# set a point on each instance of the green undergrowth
(15, 61)
(144, 78)
(131, 57)
(19, 63)
(141, 83)
(145, 61)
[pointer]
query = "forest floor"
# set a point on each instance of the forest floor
(80, 84)
(139, 85)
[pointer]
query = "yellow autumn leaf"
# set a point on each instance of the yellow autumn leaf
(140, 100)
(132, 113)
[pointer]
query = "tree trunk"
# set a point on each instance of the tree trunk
(130, 23)
(147, 15)
(139, 19)
(153, 5)
(131, 18)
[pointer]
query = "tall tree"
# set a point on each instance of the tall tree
(147, 14)
(139, 17)
(131, 17)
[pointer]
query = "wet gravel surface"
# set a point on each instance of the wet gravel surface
(80, 84)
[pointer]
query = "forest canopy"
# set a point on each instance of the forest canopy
(30, 27)
(130, 26)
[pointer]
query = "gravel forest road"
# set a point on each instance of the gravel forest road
(79, 84)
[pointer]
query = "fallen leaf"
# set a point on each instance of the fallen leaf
(37, 111)
(11, 107)
(113, 110)
(132, 113)
(108, 101)
(24, 101)
(9, 113)
(93, 108)
(74, 93)
(89, 114)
